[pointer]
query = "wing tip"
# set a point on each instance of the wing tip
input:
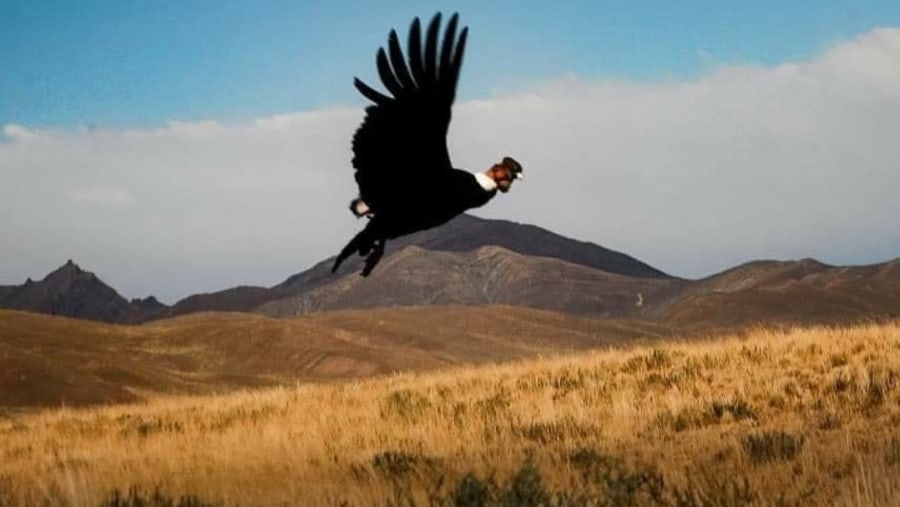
(369, 92)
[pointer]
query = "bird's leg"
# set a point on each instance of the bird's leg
(351, 246)
(374, 257)
(361, 243)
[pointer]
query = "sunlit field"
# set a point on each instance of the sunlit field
(801, 417)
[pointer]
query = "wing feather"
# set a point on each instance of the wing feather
(458, 59)
(399, 63)
(403, 138)
(415, 52)
(447, 45)
(370, 93)
(431, 48)
(387, 75)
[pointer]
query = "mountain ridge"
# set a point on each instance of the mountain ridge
(71, 291)
(483, 276)
(464, 264)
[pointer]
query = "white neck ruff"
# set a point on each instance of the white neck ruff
(486, 182)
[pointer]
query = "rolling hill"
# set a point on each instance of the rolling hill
(50, 360)
(422, 310)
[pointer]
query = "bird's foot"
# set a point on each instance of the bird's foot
(373, 258)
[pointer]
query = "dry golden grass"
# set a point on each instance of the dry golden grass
(804, 417)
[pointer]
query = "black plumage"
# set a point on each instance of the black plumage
(402, 167)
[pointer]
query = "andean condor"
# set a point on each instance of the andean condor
(406, 180)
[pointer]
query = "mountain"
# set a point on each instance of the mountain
(803, 291)
(795, 292)
(473, 261)
(68, 291)
(462, 234)
(142, 310)
(238, 299)
(466, 232)
(484, 276)
(73, 292)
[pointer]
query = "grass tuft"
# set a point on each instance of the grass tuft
(769, 446)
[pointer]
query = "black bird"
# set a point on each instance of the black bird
(406, 180)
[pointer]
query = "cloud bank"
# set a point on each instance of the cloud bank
(797, 160)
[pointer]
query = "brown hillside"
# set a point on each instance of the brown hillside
(787, 292)
(236, 299)
(46, 360)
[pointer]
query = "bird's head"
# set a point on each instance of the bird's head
(504, 172)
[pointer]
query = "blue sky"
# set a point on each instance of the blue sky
(137, 63)
(190, 146)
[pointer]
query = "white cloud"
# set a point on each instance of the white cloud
(102, 196)
(17, 132)
(692, 176)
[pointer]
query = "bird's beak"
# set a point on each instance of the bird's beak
(519, 176)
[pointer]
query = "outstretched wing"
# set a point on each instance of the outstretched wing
(402, 142)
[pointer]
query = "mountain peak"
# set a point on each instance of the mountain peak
(468, 233)
(69, 291)
(149, 302)
(67, 270)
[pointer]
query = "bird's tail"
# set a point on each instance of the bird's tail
(361, 243)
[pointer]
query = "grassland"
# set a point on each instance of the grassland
(797, 417)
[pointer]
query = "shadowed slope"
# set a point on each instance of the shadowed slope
(466, 232)
(488, 275)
